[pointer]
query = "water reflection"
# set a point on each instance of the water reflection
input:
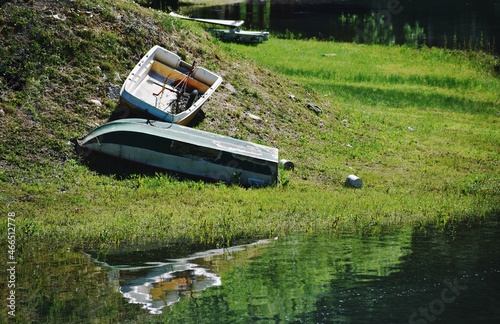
(450, 23)
(290, 278)
(290, 275)
(448, 274)
(157, 284)
(451, 274)
(165, 285)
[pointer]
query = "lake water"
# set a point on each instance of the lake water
(450, 23)
(449, 275)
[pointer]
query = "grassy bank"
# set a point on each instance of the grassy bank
(420, 127)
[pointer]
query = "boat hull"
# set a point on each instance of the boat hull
(241, 36)
(222, 22)
(182, 149)
(168, 88)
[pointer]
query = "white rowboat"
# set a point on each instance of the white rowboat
(234, 33)
(167, 87)
(222, 22)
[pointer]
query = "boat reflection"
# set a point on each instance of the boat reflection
(156, 285)
(167, 284)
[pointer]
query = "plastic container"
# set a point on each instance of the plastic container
(287, 165)
(353, 181)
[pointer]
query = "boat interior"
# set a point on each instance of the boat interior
(164, 87)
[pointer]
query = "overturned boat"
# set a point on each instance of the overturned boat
(186, 150)
(240, 36)
(234, 33)
(167, 87)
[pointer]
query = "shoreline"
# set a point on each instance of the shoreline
(418, 126)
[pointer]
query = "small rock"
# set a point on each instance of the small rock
(230, 87)
(254, 117)
(314, 108)
(113, 91)
(118, 77)
(93, 125)
(59, 17)
(96, 102)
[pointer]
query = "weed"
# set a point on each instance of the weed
(414, 36)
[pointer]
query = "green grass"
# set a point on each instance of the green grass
(379, 76)
(79, 208)
(420, 127)
(393, 106)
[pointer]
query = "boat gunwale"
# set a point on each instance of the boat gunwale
(186, 135)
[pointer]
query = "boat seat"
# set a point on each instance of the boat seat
(204, 75)
(174, 75)
(168, 58)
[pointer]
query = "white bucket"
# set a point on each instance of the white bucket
(353, 181)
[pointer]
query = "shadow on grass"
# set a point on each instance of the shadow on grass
(124, 169)
(407, 98)
(124, 112)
